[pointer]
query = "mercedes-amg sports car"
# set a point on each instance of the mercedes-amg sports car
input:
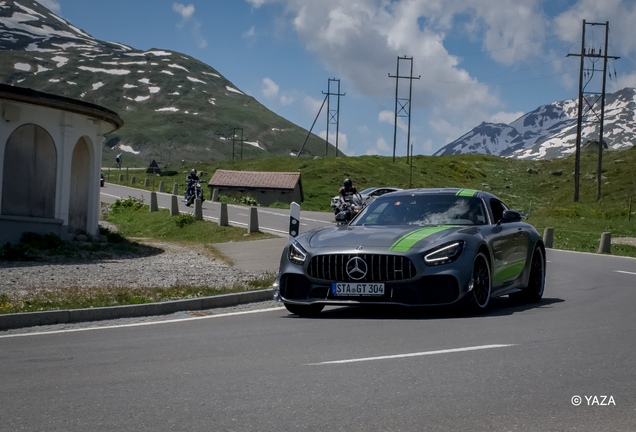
(418, 247)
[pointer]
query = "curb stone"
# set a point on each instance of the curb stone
(30, 319)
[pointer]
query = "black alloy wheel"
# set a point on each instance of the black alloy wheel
(482, 283)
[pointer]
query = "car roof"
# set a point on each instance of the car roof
(445, 191)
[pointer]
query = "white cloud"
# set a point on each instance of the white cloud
(359, 41)
(270, 89)
(249, 33)
(621, 15)
(287, 100)
(312, 105)
(427, 147)
(627, 80)
(51, 5)
(382, 145)
(505, 117)
(381, 148)
(389, 117)
(342, 139)
(186, 12)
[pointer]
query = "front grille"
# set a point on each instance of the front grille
(379, 267)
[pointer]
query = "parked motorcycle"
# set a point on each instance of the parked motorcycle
(194, 192)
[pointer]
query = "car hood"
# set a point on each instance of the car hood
(394, 238)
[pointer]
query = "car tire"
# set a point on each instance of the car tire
(303, 310)
(536, 281)
(482, 283)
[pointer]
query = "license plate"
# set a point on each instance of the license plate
(357, 289)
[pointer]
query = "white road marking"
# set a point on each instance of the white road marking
(418, 354)
(626, 272)
(595, 254)
(143, 324)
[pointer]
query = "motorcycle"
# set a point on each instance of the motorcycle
(194, 192)
(346, 210)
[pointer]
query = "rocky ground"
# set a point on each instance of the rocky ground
(167, 265)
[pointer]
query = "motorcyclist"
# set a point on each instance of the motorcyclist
(346, 193)
(191, 180)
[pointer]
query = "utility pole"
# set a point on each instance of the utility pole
(404, 104)
(333, 116)
(588, 73)
(241, 140)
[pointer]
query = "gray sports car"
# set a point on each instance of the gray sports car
(418, 247)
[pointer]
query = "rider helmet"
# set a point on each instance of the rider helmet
(347, 184)
(193, 172)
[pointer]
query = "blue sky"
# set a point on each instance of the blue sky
(479, 60)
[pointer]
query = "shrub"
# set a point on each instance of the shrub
(184, 219)
(131, 203)
(42, 242)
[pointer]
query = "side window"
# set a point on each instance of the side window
(497, 209)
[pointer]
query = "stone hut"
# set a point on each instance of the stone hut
(50, 161)
(265, 187)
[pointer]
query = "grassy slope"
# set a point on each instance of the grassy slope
(548, 197)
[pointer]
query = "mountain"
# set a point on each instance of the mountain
(174, 107)
(550, 130)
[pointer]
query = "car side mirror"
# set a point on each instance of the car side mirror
(510, 216)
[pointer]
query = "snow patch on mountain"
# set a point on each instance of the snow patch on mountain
(22, 67)
(232, 89)
(108, 71)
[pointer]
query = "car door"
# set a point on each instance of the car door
(504, 244)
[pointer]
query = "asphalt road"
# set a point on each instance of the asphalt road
(275, 221)
(516, 368)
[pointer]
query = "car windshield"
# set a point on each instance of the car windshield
(367, 191)
(423, 210)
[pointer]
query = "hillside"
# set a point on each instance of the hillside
(550, 130)
(174, 107)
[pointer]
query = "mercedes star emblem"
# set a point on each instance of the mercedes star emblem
(356, 268)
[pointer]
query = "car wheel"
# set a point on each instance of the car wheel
(297, 309)
(536, 282)
(482, 283)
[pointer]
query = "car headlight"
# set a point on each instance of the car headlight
(444, 254)
(296, 253)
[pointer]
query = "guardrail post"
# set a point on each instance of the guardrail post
(548, 237)
(198, 209)
(132, 180)
(215, 195)
(223, 219)
(153, 202)
(121, 177)
(605, 245)
(175, 189)
(253, 223)
(147, 183)
(174, 206)
(162, 186)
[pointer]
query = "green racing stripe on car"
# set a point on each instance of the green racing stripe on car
(407, 241)
(466, 192)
